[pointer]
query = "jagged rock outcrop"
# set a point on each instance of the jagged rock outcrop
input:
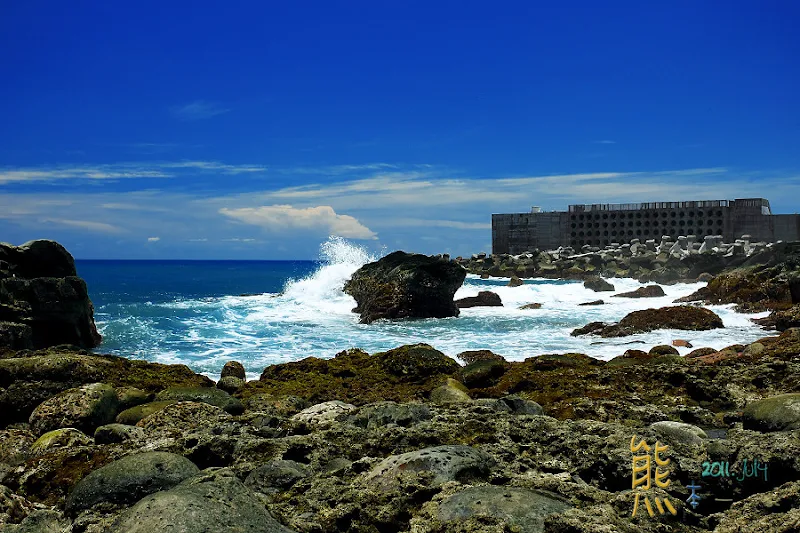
(42, 300)
(650, 291)
(403, 285)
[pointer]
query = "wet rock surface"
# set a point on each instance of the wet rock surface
(677, 317)
(483, 299)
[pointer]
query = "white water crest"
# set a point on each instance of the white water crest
(312, 316)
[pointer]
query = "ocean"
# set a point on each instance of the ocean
(205, 313)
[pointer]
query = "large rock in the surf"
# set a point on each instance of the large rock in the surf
(685, 317)
(42, 301)
(483, 299)
(403, 285)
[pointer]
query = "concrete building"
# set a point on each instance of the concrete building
(602, 224)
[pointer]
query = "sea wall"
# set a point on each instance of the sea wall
(666, 261)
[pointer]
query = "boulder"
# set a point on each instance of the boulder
(133, 415)
(662, 349)
(276, 475)
(471, 356)
(60, 438)
(84, 408)
(530, 306)
(40, 521)
(324, 413)
(451, 392)
(593, 302)
(183, 417)
(598, 284)
(131, 397)
(682, 343)
(778, 413)
(525, 509)
(515, 282)
(390, 413)
(403, 285)
(678, 317)
(213, 501)
(230, 384)
(482, 373)
(679, 432)
(235, 369)
(700, 352)
(114, 433)
(129, 479)
(650, 291)
(446, 463)
(211, 396)
(483, 299)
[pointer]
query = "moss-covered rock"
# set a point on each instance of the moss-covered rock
(84, 408)
(482, 373)
(130, 479)
(353, 376)
(470, 356)
(778, 413)
(677, 317)
(133, 415)
(60, 438)
(211, 396)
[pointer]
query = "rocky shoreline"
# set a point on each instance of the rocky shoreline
(411, 439)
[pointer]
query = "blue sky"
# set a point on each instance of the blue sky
(253, 130)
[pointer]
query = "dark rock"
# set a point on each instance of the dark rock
(25, 382)
(131, 397)
(594, 302)
(114, 433)
(515, 282)
(524, 508)
(471, 356)
(483, 299)
(230, 384)
(183, 417)
(41, 521)
(130, 479)
(482, 373)
(700, 352)
(778, 413)
(390, 413)
(84, 408)
(211, 396)
(650, 291)
(211, 502)
(531, 306)
(781, 320)
(662, 349)
(276, 475)
(235, 369)
(403, 285)
(521, 406)
(679, 317)
(39, 259)
(598, 284)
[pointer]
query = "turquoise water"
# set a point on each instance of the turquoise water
(204, 313)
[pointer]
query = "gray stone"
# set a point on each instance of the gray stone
(84, 408)
(446, 463)
(129, 479)
(390, 413)
(276, 475)
(40, 521)
(113, 433)
(209, 395)
(521, 406)
(230, 384)
(131, 397)
(324, 413)
(680, 432)
(213, 502)
(449, 393)
(523, 508)
(778, 413)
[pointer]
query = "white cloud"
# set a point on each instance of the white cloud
(100, 227)
(283, 217)
(153, 239)
(84, 173)
(425, 223)
(214, 165)
(197, 110)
